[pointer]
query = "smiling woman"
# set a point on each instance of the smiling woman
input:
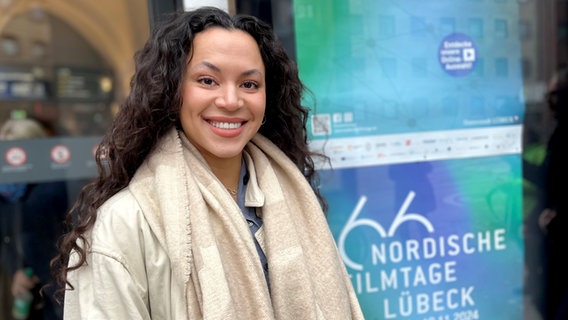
(205, 206)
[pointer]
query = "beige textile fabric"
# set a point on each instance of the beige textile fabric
(212, 251)
(307, 276)
(174, 245)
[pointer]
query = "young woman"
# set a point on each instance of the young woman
(204, 207)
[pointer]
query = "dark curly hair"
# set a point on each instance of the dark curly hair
(152, 109)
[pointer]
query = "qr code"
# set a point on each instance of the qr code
(321, 124)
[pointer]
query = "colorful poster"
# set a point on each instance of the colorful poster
(419, 105)
(388, 67)
(431, 240)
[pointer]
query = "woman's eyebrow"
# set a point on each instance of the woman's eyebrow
(251, 72)
(208, 65)
(213, 67)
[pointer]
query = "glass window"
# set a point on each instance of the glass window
(9, 45)
(514, 41)
(64, 70)
(65, 67)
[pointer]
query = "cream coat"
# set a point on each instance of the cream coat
(174, 245)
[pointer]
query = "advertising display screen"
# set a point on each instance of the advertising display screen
(419, 106)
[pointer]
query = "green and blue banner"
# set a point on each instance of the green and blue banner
(419, 106)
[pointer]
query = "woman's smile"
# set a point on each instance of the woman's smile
(226, 125)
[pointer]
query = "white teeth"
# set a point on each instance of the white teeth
(226, 125)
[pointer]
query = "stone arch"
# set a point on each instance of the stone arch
(107, 25)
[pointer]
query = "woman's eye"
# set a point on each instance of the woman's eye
(207, 81)
(250, 85)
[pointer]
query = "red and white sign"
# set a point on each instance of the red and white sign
(16, 156)
(60, 154)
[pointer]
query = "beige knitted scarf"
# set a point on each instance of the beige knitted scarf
(217, 259)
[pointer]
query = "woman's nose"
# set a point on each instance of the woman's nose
(229, 98)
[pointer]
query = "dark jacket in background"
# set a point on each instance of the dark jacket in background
(31, 221)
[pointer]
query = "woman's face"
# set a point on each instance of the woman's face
(224, 93)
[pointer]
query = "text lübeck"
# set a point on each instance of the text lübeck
(438, 301)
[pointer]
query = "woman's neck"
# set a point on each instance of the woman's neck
(227, 171)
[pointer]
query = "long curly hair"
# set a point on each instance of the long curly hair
(152, 109)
